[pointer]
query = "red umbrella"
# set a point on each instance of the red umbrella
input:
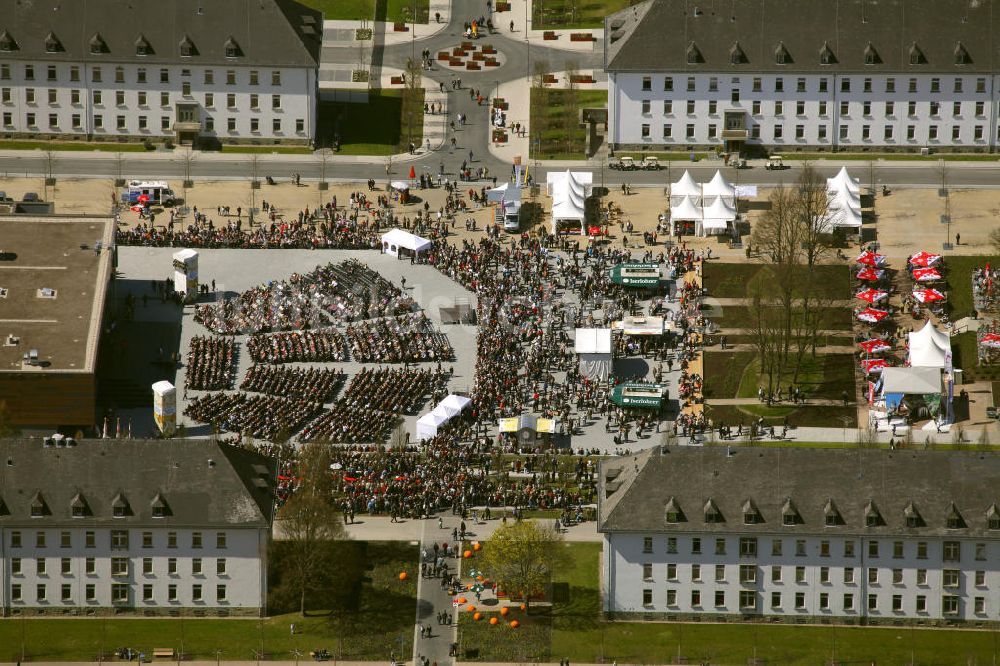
(413, 174)
(870, 274)
(928, 295)
(926, 274)
(869, 258)
(874, 365)
(872, 316)
(924, 259)
(990, 340)
(143, 198)
(874, 346)
(871, 295)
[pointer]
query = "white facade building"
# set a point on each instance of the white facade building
(802, 535)
(899, 75)
(115, 70)
(164, 527)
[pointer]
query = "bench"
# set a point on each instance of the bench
(472, 66)
(581, 78)
(478, 57)
(163, 653)
(581, 37)
(492, 62)
(400, 27)
(443, 55)
(549, 78)
(503, 7)
(397, 81)
(549, 35)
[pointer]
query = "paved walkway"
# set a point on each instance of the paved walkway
(432, 598)
(379, 528)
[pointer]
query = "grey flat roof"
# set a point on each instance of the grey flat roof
(634, 490)
(656, 36)
(64, 329)
(269, 33)
(196, 492)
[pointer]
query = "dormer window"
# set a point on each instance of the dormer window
(993, 517)
(781, 55)
(97, 44)
(912, 516)
(7, 43)
(142, 46)
(751, 515)
(953, 519)
(38, 506)
(694, 54)
(916, 55)
(673, 511)
(712, 513)
(232, 48)
(826, 56)
(159, 506)
(78, 506)
(52, 44)
(736, 55)
(832, 515)
(871, 55)
(790, 514)
(872, 516)
(187, 47)
(119, 506)
(962, 55)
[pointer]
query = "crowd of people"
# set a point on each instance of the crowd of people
(259, 416)
(326, 344)
(393, 390)
(315, 384)
(348, 422)
(409, 338)
(211, 363)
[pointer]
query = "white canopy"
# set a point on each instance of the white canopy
(506, 192)
(642, 325)
(929, 347)
(844, 217)
(685, 187)
(593, 341)
(845, 199)
(718, 187)
(396, 239)
(911, 380)
(569, 191)
(453, 404)
(719, 211)
(843, 181)
(686, 210)
(400, 185)
(428, 424)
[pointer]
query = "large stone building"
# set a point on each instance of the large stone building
(190, 71)
(825, 75)
(154, 527)
(802, 535)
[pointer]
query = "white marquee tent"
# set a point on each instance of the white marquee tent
(569, 191)
(685, 210)
(395, 240)
(716, 218)
(593, 347)
(447, 409)
(843, 181)
(685, 187)
(929, 347)
(718, 187)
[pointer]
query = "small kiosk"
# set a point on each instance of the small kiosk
(637, 394)
(165, 407)
(637, 275)
(186, 274)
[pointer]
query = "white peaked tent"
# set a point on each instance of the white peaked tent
(843, 181)
(593, 347)
(569, 191)
(395, 240)
(845, 199)
(428, 424)
(453, 404)
(843, 217)
(718, 187)
(716, 218)
(929, 348)
(685, 187)
(685, 210)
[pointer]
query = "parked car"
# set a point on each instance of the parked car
(775, 163)
(624, 164)
(31, 197)
(651, 163)
(739, 163)
(4, 198)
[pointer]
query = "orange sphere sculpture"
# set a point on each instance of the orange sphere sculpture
(480, 579)
(477, 546)
(462, 600)
(470, 608)
(505, 611)
(467, 554)
(524, 606)
(494, 621)
(514, 624)
(477, 617)
(402, 575)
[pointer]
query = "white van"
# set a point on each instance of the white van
(156, 193)
(509, 213)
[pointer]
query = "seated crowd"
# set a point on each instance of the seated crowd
(393, 391)
(350, 423)
(407, 338)
(259, 416)
(298, 346)
(211, 363)
(318, 384)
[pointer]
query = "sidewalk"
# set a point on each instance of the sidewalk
(520, 14)
(389, 37)
(380, 528)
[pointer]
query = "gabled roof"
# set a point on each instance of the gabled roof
(269, 33)
(789, 514)
(655, 36)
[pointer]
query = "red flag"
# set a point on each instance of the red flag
(413, 174)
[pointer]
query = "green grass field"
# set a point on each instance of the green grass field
(376, 609)
(798, 415)
(374, 128)
(570, 14)
(552, 107)
(959, 275)
(739, 316)
(381, 10)
(725, 280)
(73, 146)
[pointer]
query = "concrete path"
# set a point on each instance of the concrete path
(379, 528)
(432, 598)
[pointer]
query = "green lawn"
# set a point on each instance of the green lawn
(724, 280)
(382, 10)
(737, 375)
(573, 630)
(569, 14)
(959, 274)
(377, 127)
(373, 608)
(550, 106)
(281, 150)
(798, 415)
(739, 316)
(73, 146)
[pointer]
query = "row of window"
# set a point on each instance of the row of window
(119, 539)
(951, 551)
(822, 133)
(120, 593)
(141, 98)
(748, 575)
(778, 108)
(822, 84)
(950, 603)
(232, 76)
(121, 123)
(120, 566)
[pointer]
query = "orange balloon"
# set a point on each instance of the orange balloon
(479, 578)
(477, 617)
(462, 600)
(402, 575)
(494, 621)
(470, 608)
(467, 554)
(477, 546)
(524, 606)
(505, 611)
(514, 624)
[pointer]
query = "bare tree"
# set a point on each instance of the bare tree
(119, 169)
(571, 106)
(323, 156)
(253, 168)
(412, 99)
(51, 158)
(186, 157)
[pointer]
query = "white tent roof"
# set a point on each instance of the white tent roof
(406, 240)
(845, 199)
(569, 191)
(593, 341)
(453, 404)
(685, 187)
(685, 210)
(844, 218)
(506, 192)
(162, 387)
(911, 380)
(427, 425)
(642, 325)
(718, 187)
(720, 210)
(843, 181)
(929, 347)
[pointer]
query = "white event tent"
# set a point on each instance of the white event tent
(843, 181)
(844, 202)
(716, 218)
(685, 187)
(569, 191)
(719, 188)
(395, 240)
(593, 347)
(929, 347)
(447, 409)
